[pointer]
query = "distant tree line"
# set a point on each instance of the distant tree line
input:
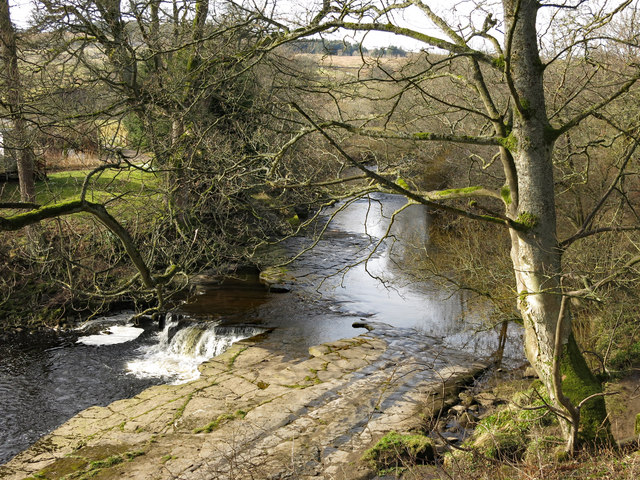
(341, 47)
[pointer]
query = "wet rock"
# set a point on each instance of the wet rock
(466, 399)
(487, 399)
(279, 288)
(467, 420)
(206, 280)
(453, 426)
(458, 409)
(274, 276)
(363, 324)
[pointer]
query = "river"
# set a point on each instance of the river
(348, 276)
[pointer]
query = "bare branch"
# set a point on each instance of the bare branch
(556, 132)
(416, 136)
(583, 232)
(507, 222)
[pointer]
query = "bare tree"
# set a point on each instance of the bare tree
(189, 95)
(483, 81)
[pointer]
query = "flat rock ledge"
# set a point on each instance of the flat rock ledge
(253, 414)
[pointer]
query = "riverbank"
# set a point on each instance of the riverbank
(387, 402)
(254, 414)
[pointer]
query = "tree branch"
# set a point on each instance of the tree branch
(403, 191)
(507, 59)
(421, 37)
(416, 136)
(18, 221)
(582, 232)
(574, 412)
(594, 108)
(590, 291)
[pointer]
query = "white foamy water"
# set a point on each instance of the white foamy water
(177, 358)
(112, 336)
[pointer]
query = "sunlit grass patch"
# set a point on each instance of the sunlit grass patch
(122, 189)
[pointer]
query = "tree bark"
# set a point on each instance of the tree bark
(17, 140)
(535, 252)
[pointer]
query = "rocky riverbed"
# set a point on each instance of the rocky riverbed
(255, 414)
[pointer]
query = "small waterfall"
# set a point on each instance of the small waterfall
(179, 351)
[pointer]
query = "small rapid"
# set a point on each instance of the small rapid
(179, 351)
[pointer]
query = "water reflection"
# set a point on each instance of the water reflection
(360, 269)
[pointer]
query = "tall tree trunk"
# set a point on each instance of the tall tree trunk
(17, 141)
(535, 253)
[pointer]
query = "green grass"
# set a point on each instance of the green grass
(126, 193)
(107, 185)
(214, 425)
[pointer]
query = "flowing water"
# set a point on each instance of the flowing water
(46, 380)
(348, 276)
(352, 275)
(176, 357)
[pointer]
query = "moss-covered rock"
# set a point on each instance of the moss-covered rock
(501, 445)
(395, 451)
(274, 275)
(506, 434)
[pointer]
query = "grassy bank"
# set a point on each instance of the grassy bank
(109, 184)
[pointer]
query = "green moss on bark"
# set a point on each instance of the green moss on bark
(505, 193)
(458, 191)
(578, 383)
(510, 143)
(527, 219)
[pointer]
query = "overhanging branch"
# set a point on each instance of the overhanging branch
(415, 136)
(381, 180)
(21, 220)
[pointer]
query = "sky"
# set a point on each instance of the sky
(412, 18)
(21, 11)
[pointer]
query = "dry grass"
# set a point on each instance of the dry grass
(605, 463)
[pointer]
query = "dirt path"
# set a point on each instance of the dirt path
(254, 415)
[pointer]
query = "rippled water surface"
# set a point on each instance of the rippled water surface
(45, 381)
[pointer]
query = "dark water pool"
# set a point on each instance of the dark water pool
(46, 380)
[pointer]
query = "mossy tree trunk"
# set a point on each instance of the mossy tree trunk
(535, 253)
